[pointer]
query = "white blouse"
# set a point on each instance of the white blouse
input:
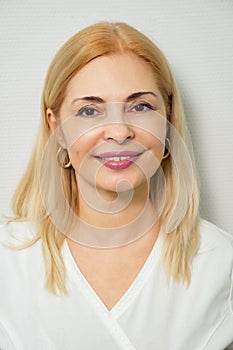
(151, 315)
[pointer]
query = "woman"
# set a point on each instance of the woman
(106, 248)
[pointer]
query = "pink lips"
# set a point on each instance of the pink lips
(118, 160)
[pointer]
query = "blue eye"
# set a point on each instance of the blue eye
(87, 112)
(142, 107)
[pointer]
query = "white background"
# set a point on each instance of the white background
(196, 37)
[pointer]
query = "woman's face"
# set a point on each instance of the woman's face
(116, 120)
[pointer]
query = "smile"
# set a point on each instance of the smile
(118, 160)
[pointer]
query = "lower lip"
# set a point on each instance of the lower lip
(122, 164)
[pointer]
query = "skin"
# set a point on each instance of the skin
(112, 78)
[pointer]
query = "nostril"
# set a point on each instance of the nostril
(119, 133)
(119, 140)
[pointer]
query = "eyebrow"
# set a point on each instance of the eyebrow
(100, 100)
(139, 94)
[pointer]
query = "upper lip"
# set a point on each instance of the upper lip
(118, 154)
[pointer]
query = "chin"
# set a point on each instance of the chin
(121, 184)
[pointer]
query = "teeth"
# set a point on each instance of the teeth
(116, 159)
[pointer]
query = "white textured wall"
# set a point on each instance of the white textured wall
(196, 36)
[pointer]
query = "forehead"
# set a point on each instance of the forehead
(113, 77)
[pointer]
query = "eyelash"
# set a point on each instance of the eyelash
(144, 104)
(96, 112)
(81, 112)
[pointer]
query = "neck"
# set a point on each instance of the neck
(108, 209)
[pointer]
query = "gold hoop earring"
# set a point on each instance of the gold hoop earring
(63, 165)
(168, 146)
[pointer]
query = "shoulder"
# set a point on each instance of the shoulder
(15, 238)
(21, 265)
(213, 273)
(19, 258)
(16, 232)
(216, 247)
(213, 264)
(213, 238)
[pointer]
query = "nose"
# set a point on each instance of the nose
(120, 133)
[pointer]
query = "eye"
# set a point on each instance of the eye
(88, 112)
(142, 107)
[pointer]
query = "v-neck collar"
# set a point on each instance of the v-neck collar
(130, 294)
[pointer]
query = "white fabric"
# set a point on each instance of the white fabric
(151, 314)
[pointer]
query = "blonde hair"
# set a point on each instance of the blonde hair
(180, 246)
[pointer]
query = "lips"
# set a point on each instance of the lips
(118, 160)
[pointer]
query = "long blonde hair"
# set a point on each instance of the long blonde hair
(180, 246)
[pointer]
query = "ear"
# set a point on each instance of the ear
(55, 128)
(52, 121)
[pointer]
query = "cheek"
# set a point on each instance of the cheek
(77, 153)
(157, 148)
(80, 151)
(152, 158)
(153, 144)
